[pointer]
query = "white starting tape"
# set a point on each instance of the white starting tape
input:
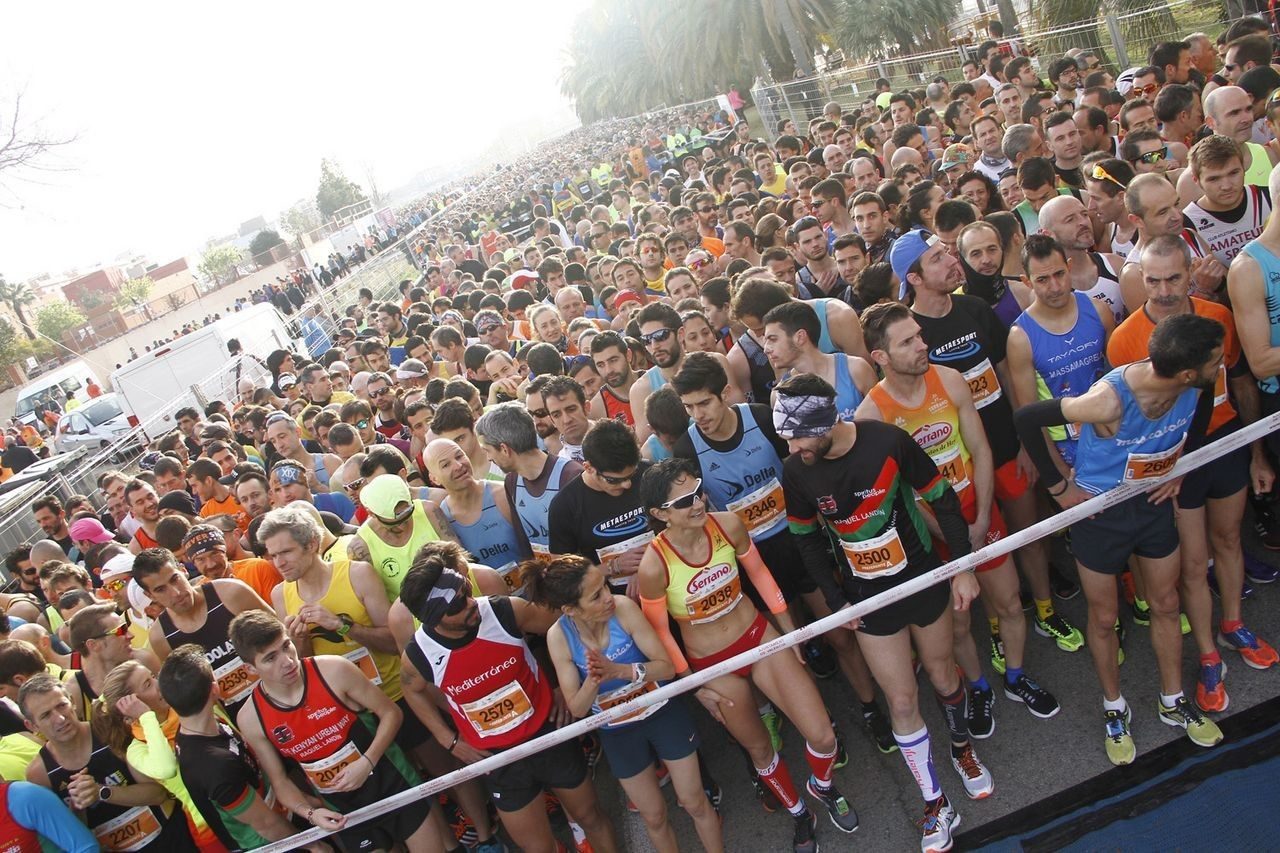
(1001, 547)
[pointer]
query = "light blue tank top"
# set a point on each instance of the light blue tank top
(656, 379)
(824, 339)
(490, 539)
(848, 397)
(1066, 365)
(657, 450)
(752, 469)
(321, 472)
(622, 648)
(534, 512)
(1140, 448)
(1270, 265)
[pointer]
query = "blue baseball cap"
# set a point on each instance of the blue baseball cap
(906, 250)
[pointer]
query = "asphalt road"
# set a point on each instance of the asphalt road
(1030, 758)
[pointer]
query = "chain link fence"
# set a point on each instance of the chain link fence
(1120, 40)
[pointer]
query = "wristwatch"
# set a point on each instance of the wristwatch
(639, 671)
(345, 627)
(104, 793)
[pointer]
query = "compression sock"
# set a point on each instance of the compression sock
(915, 751)
(821, 764)
(1044, 609)
(779, 781)
(955, 711)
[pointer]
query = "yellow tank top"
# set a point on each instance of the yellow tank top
(16, 752)
(381, 668)
(1260, 168)
(391, 562)
(934, 425)
(702, 593)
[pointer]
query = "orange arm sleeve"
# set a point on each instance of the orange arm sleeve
(762, 579)
(655, 610)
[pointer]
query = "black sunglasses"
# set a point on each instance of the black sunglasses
(657, 337)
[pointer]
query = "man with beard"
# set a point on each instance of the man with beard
(863, 478)
(548, 435)
(819, 277)
(52, 519)
(609, 353)
(661, 330)
(982, 255)
(1134, 424)
(1211, 502)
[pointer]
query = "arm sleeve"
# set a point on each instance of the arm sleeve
(153, 755)
(41, 810)
(762, 579)
(1196, 433)
(655, 610)
(1031, 420)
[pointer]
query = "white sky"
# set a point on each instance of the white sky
(192, 119)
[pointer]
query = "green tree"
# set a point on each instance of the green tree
(264, 241)
(299, 219)
(219, 263)
(336, 190)
(18, 296)
(58, 317)
(9, 342)
(136, 293)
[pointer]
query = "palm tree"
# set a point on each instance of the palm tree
(16, 296)
(873, 28)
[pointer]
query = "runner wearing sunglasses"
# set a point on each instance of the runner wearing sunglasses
(397, 526)
(691, 573)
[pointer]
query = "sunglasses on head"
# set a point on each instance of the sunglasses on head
(1151, 157)
(657, 336)
(1101, 174)
(686, 500)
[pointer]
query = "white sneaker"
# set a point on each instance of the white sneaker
(936, 826)
(978, 783)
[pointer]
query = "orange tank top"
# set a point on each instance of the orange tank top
(935, 427)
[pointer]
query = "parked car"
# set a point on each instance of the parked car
(93, 426)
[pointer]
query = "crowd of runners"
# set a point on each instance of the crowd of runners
(642, 371)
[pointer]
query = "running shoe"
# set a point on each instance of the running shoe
(1256, 651)
(1211, 689)
(939, 820)
(1267, 524)
(592, 749)
(877, 725)
(1246, 588)
(768, 800)
(1066, 635)
(1039, 702)
(1184, 624)
(982, 718)
(1063, 587)
(580, 842)
(838, 808)
(1121, 633)
(821, 659)
(1201, 730)
(1119, 743)
(1141, 612)
(806, 833)
(773, 722)
(1128, 587)
(493, 845)
(1259, 572)
(715, 795)
(997, 652)
(978, 783)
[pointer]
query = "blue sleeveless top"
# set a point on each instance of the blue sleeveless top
(745, 478)
(848, 397)
(1270, 265)
(1066, 365)
(655, 377)
(622, 648)
(1141, 447)
(534, 512)
(491, 539)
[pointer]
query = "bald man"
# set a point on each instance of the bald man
(37, 636)
(1228, 110)
(1095, 274)
(906, 156)
(478, 510)
(1153, 206)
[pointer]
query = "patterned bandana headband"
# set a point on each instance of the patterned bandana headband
(804, 416)
(441, 598)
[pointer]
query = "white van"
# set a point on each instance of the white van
(159, 382)
(71, 377)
